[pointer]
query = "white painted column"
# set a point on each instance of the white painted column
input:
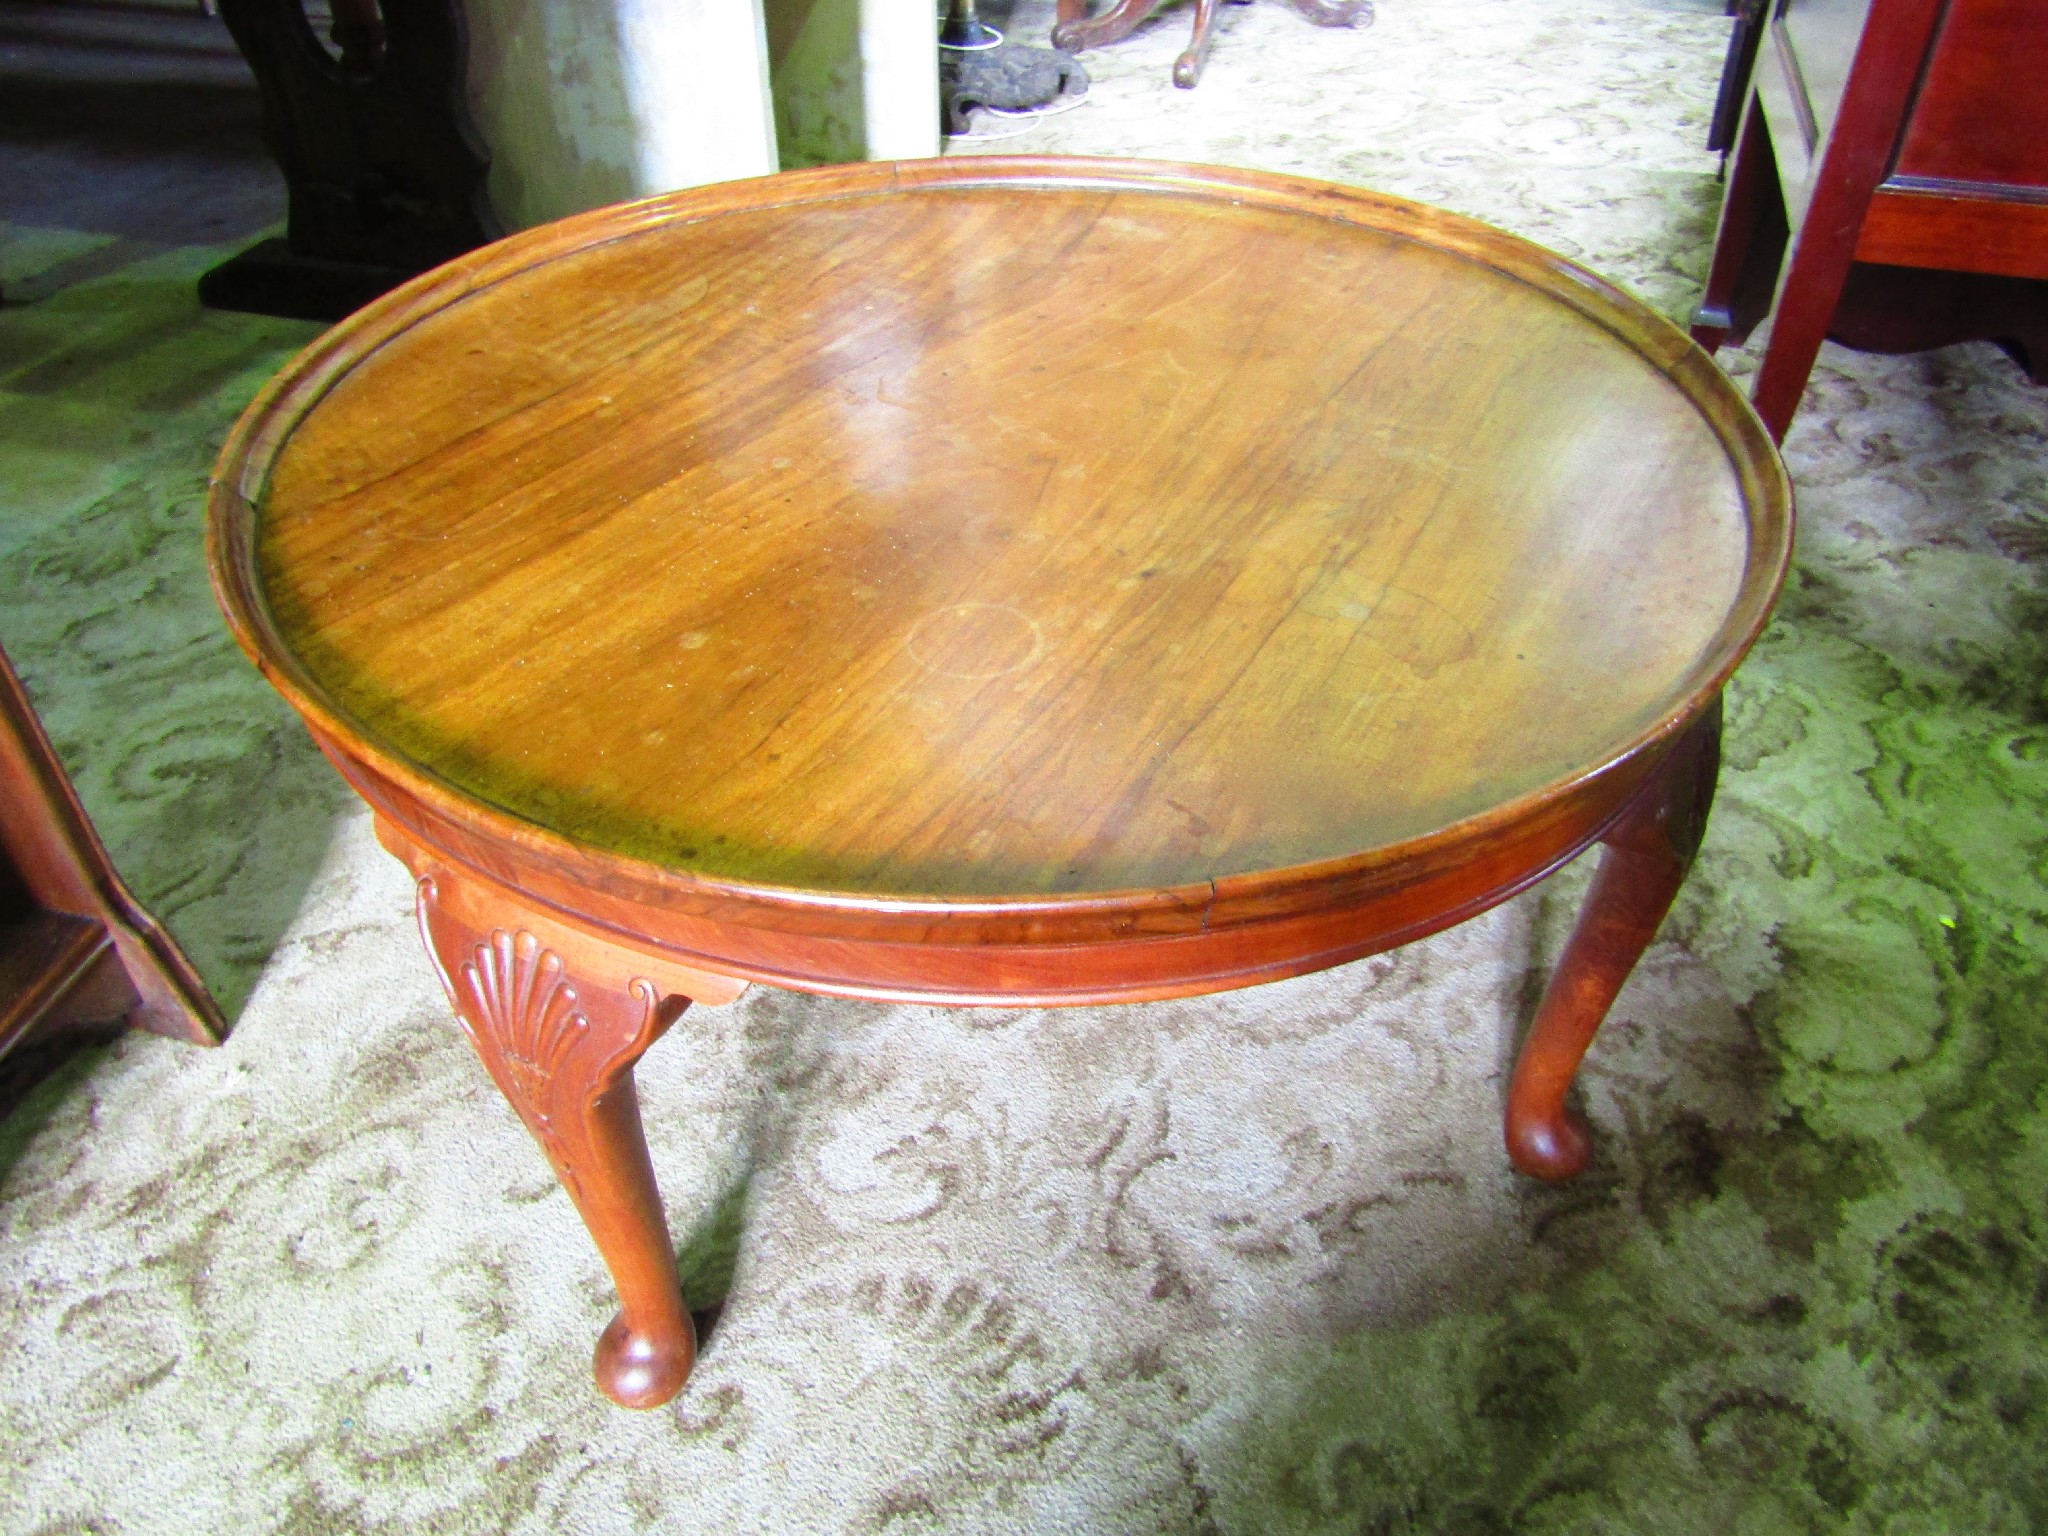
(586, 102)
(899, 77)
(855, 79)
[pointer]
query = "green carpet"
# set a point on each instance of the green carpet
(1242, 1264)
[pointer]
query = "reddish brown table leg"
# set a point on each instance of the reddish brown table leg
(1649, 849)
(559, 1017)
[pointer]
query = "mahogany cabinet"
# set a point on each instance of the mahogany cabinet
(76, 949)
(1889, 186)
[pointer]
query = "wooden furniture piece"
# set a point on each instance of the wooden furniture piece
(384, 170)
(1901, 147)
(76, 949)
(1002, 581)
(1074, 30)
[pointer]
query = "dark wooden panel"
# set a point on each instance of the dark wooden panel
(1983, 113)
(56, 970)
(1910, 309)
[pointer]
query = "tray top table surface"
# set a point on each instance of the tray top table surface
(989, 529)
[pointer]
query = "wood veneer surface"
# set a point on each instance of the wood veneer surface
(1030, 527)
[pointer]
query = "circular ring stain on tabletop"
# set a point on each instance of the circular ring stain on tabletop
(975, 641)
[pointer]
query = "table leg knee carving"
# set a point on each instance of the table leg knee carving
(560, 1040)
(1649, 849)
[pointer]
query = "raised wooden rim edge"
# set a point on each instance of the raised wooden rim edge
(267, 422)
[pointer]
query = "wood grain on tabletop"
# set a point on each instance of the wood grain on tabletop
(1026, 538)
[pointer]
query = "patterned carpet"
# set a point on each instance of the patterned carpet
(1241, 1264)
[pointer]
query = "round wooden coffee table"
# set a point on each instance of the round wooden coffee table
(1008, 581)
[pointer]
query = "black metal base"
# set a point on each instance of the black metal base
(971, 37)
(271, 279)
(1012, 78)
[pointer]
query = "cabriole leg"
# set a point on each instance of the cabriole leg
(1647, 854)
(559, 1017)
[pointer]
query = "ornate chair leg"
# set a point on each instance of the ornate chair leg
(1187, 69)
(1649, 849)
(559, 1018)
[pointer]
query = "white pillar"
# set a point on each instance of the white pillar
(899, 49)
(855, 79)
(585, 102)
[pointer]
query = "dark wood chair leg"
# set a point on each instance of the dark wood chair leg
(1187, 69)
(559, 1018)
(1857, 152)
(1806, 308)
(1738, 265)
(1649, 849)
(1112, 26)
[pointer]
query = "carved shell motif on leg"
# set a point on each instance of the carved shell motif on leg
(512, 998)
(518, 988)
